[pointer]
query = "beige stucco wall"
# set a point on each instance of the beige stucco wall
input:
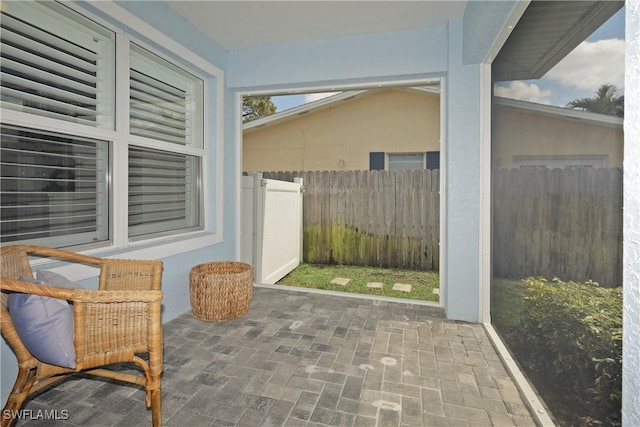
(393, 121)
(406, 121)
(524, 132)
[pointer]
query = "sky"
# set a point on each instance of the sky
(285, 102)
(596, 61)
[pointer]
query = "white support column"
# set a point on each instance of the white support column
(631, 218)
(484, 309)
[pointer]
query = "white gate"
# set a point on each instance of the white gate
(271, 226)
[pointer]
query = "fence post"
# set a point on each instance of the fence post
(300, 181)
(258, 225)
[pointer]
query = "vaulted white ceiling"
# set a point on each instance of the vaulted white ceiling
(243, 24)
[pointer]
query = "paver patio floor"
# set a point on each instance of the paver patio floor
(305, 359)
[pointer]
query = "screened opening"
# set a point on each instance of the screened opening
(370, 204)
(557, 158)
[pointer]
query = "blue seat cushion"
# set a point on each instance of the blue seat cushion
(44, 324)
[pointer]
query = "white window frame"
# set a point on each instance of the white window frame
(211, 152)
(103, 221)
(389, 155)
(196, 147)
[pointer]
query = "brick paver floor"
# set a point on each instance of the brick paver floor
(305, 359)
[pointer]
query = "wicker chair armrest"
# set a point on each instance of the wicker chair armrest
(115, 274)
(13, 285)
(79, 295)
(61, 255)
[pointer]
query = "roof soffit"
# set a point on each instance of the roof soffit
(546, 33)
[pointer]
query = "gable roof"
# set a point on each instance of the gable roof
(334, 100)
(315, 106)
(552, 110)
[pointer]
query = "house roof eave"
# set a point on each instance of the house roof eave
(300, 110)
(552, 110)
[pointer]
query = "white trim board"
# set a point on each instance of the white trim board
(534, 404)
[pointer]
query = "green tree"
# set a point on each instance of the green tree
(605, 102)
(255, 107)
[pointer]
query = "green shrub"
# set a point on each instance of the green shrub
(572, 334)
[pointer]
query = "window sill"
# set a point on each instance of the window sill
(157, 249)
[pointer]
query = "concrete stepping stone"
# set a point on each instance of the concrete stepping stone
(342, 281)
(401, 287)
(375, 285)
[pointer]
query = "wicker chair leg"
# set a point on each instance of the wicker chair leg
(19, 393)
(156, 407)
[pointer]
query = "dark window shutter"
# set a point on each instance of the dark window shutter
(433, 160)
(376, 160)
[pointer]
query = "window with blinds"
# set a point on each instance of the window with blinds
(165, 101)
(165, 105)
(55, 66)
(57, 177)
(163, 192)
(53, 188)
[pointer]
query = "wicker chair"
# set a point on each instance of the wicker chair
(111, 325)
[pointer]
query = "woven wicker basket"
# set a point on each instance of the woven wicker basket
(220, 290)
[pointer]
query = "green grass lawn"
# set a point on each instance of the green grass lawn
(320, 276)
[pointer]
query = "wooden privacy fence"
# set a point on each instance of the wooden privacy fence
(370, 218)
(558, 222)
(565, 223)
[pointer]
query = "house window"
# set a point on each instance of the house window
(165, 102)
(165, 110)
(55, 65)
(405, 161)
(54, 188)
(560, 162)
(59, 132)
(163, 192)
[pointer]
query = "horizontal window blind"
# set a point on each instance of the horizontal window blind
(49, 68)
(56, 186)
(53, 189)
(165, 101)
(158, 110)
(163, 192)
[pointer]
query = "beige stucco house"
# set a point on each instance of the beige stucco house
(340, 132)
(400, 128)
(526, 134)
